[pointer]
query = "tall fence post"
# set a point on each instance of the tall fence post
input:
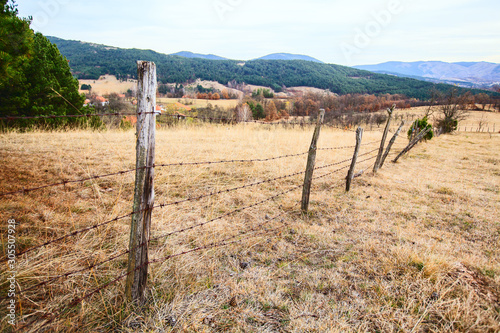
(311, 160)
(144, 183)
(384, 137)
(389, 146)
(350, 174)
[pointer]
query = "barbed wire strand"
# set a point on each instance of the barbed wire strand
(75, 233)
(89, 115)
(77, 301)
(212, 245)
(348, 147)
(65, 182)
(227, 190)
(68, 274)
(95, 265)
(239, 210)
(230, 161)
(72, 234)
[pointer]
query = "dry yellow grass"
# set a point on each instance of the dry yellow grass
(108, 84)
(200, 103)
(411, 249)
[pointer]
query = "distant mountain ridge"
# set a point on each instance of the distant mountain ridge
(273, 56)
(289, 56)
(465, 73)
(187, 54)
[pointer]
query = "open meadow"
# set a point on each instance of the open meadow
(200, 103)
(109, 84)
(413, 248)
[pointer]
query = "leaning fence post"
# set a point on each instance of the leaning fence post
(384, 137)
(389, 146)
(311, 159)
(413, 143)
(144, 182)
(350, 174)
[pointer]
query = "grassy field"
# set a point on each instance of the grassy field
(200, 103)
(108, 84)
(413, 248)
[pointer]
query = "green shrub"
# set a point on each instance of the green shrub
(419, 125)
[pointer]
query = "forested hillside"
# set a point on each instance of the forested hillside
(89, 61)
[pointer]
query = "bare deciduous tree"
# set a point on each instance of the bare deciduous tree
(453, 109)
(243, 113)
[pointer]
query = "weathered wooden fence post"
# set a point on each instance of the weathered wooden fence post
(389, 146)
(384, 137)
(311, 160)
(350, 174)
(144, 182)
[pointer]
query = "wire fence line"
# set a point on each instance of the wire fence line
(88, 115)
(222, 243)
(228, 241)
(96, 177)
(164, 205)
(251, 232)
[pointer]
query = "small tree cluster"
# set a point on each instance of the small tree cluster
(262, 92)
(86, 87)
(257, 110)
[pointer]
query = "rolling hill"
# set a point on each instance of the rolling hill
(288, 56)
(90, 61)
(187, 54)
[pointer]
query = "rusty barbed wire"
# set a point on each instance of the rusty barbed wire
(344, 161)
(229, 161)
(89, 115)
(75, 233)
(348, 147)
(121, 254)
(245, 186)
(333, 172)
(225, 242)
(66, 275)
(239, 210)
(65, 182)
(228, 190)
(72, 234)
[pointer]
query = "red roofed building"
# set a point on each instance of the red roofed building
(182, 106)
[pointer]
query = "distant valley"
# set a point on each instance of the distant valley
(465, 74)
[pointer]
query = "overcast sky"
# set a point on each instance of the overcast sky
(346, 32)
